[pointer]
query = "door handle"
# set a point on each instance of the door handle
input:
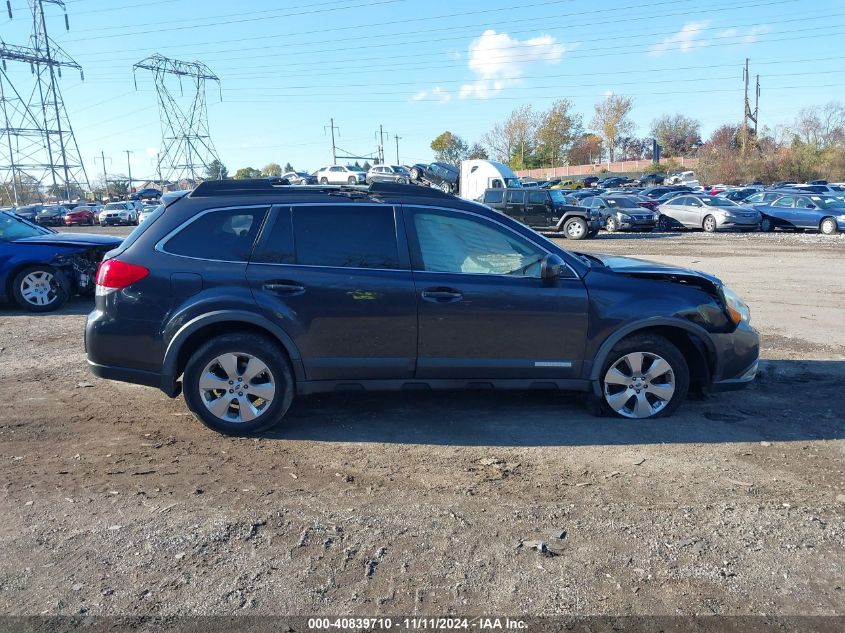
(283, 288)
(442, 295)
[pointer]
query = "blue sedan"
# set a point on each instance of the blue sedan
(40, 268)
(803, 211)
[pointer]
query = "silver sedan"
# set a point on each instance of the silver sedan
(710, 213)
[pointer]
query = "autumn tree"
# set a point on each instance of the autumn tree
(559, 127)
(449, 148)
(586, 149)
(677, 135)
(612, 120)
(247, 172)
(271, 169)
(477, 152)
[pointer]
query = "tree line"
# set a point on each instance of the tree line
(811, 146)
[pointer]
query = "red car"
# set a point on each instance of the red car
(80, 215)
(647, 203)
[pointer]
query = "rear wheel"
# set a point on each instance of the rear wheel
(575, 228)
(38, 289)
(445, 187)
(644, 377)
(324, 181)
(415, 173)
(828, 226)
(238, 384)
(352, 180)
(709, 224)
(766, 225)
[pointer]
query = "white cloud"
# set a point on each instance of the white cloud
(437, 94)
(683, 41)
(152, 152)
(748, 36)
(498, 61)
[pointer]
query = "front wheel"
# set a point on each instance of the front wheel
(663, 224)
(828, 226)
(575, 228)
(709, 224)
(644, 377)
(415, 173)
(766, 225)
(238, 384)
(445, 187)
(352, 181)
(611, 225)
(324, 181)
(38, 289)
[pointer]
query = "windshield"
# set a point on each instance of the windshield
(718, 202)
(513, 183)
(828, 203)
(14, 228)
(621, 203)
(114, 205)
(557, 196)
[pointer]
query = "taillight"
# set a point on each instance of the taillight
(113, 274)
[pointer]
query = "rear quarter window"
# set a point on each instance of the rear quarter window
(225, 235)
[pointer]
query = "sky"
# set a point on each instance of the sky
(420, 68)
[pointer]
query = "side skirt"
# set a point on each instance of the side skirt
(326, 386)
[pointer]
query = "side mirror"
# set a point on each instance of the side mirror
(550, 269)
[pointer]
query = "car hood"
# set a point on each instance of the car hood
(72, 239)
(644, 268)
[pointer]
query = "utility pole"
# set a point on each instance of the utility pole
(381, 144)
(102, 158)
(398, 138)
(747, 114)
(332, 127)
(129, 168)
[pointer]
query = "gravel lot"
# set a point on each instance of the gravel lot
(115, 501)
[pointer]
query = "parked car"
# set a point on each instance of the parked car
(388, 173)
(803, 212)
(300, 178)
(589, 181)
(51, 215)
(545, 210)
(29, 212)
(622, 213)
(444, 176)
(115, 213)
(651, 179)
(146, 213)
(569, 184)
(341, 175)
(762, 197)
(80, 215)
(145, 194)
(706, 212)
(285, 292)
(40, 269)
(614, 181)
(738, 195)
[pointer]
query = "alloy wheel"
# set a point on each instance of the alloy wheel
(237, 387)
(39, 288)
(639, 385)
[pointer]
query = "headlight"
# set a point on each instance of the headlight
(623, 216)
(722, 214)
(656, 217)
(737, 309)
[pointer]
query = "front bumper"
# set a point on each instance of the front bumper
(738, 355)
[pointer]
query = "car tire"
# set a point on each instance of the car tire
(352, 181)
(648, 396)
(402, 181)
(445, 187)
(828, 226)
(709, 224)
(663, 224)
(766, 225)
(29, 292)
(324, 181)
(224, 361)
(611, 225)
(575, 229)
(415, 173)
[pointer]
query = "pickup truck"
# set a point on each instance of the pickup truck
(544, 210)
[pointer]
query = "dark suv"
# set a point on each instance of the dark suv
(245, 294)
(544, 210)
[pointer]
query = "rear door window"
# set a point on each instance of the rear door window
(224, 235)
(537, 197)
(784, 203)
(346, 236)
(515, 196)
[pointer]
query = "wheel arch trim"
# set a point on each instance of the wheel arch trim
(171, 355)
(637, 326)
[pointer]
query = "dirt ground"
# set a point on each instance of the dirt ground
(115, 501)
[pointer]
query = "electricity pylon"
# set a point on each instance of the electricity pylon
(186, 147)
(37, 146)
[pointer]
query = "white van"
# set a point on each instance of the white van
(478, 175)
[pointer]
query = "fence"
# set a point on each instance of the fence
(616, 167)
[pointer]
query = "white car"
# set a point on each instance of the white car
(341, 175)
(119, 213)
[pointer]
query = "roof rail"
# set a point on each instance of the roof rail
(394, 188)
(229, 187)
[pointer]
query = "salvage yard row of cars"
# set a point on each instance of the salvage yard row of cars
(125, 212)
